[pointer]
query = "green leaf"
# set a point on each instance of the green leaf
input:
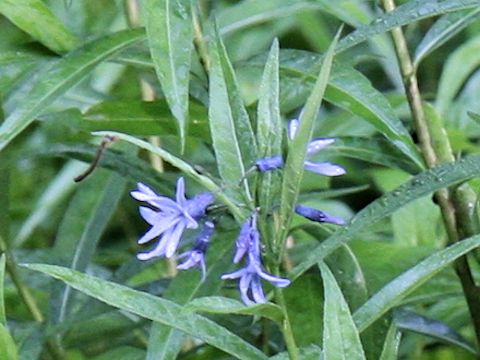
(391, 343)
(60, 76)
(232, 134)
(297, 149)
(3, 318)
(223, 305)
(444, 29)
(459, 65)
(165, 342)
(8, 348)
(311, 352)
(340, 336)
(473, 116)
(269, 126)
(54, 194)
(410, 321)
(154, 308)
(421, 185)
(84, 222)
(170, 35)
(186, 168)
(122, 353)
(396, 290)
(407, 13)
(36, 19)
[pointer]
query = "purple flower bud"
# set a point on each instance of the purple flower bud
(317, 215)
(269, 163)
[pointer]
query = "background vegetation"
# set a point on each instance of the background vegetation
(169, 79)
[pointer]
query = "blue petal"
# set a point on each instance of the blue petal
(180, 195)
(173, 238)
(324, 168)
(292, 128)
(316, 145)
(257, 291)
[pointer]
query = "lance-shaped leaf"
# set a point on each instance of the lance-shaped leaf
(397, 289)
(297, 148)
(170, 35)
(341, 339)
(154, 308)
(391, 343)
(407, 13)
(3, 318)
(60, 76)
(8, 349)
(36, 19)
(423, 184)
(232, 134)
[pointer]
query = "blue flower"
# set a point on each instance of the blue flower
(169, 218)
(248, 244)
(269, 163)
(196, 256)
(324, 168)
(317, 215)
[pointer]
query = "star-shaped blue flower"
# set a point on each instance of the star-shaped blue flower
(248, 245)
(169, 218)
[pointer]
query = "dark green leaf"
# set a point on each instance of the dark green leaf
(340, 335)
(36, 19)
(297, 148)
(223, 305)
(3, 318)
(60, 76)
(444, 29)
(312, 352)
(407, 320)
(154, 308)
(396, 290)
(170, 35)
(421, 185)
(122, 353)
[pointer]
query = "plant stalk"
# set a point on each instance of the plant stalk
(455, 204)
(287, 331)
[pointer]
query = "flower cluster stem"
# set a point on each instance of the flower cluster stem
(455, 203)
(287, 331)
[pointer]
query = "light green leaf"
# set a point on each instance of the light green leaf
(3, 318)
(83, 223)
(232, 134)
(186, 168)
(36, 19)
(122, 353)
(340, 336)
(421, 185)
(396, 290)
(407, 13)
(444, 29)
(154, 308)
(170, 35)
(311, 352)
(269, 127)
(297, 149)
(48, 202)
(8, 348)
(223, 305)
(391, 343)
(459, 65)
(60, 76)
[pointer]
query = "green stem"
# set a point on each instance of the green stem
(286, 325)
(455, 205)
(199, 41)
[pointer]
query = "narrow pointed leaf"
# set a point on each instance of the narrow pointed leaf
(60, 76)
(407, 13)
(36, 19)
(341, 339)
(186, 168)
(423, 184)
(391, 343)
(410, 321)
(297, 149)
(8, 349)
(154, 308)
(232, 134)
(396, 290)
(170, 35)
(444, 29)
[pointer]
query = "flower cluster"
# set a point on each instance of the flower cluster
(170, 218)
